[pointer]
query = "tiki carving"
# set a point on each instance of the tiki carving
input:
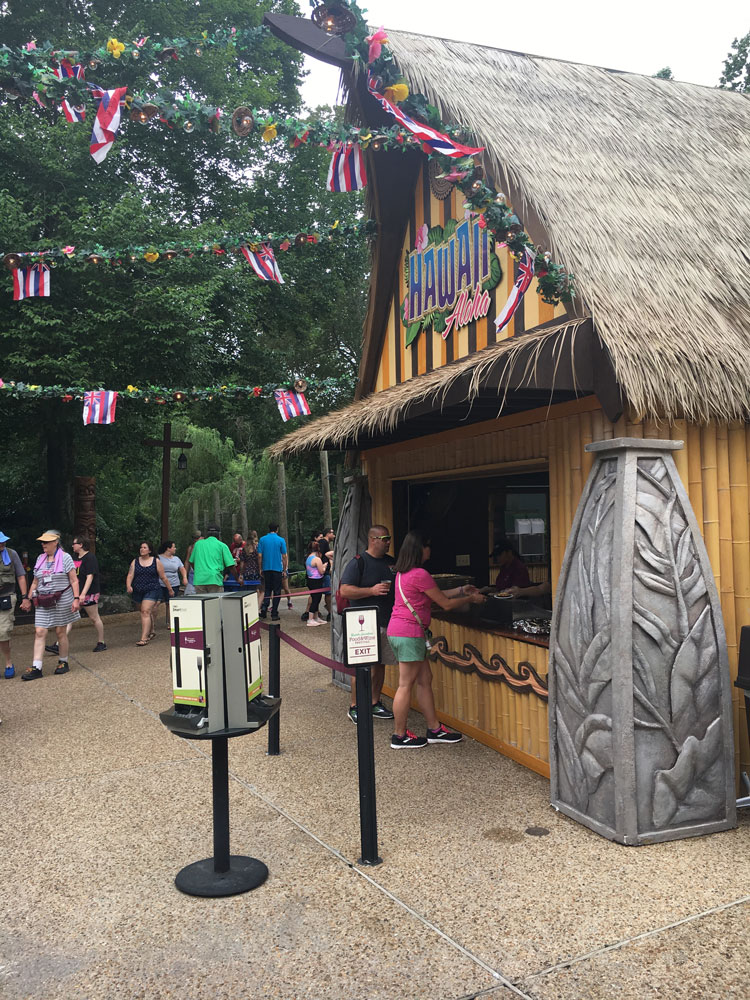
(640, 705)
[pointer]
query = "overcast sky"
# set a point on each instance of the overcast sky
(639, 36)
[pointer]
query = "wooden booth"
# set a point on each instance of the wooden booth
(638, 186)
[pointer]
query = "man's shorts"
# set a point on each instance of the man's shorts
(6, 620)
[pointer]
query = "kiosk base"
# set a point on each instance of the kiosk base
(202, 879)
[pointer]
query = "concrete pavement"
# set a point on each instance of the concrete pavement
(102, 806)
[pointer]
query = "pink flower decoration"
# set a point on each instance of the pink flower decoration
(30, 46)
(284, 245)
(482, 222)
(421, 241)
(68, 251)
(1, 383)
(375, 41)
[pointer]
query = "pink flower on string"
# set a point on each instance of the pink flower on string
(421, 241)
(375, 41)
(284, 245)
(482, 222)
(68, 251)
(2, 384)
(30, 46)
(142, 41)
(233, 31)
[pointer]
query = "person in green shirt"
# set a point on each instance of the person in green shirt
(209, 560)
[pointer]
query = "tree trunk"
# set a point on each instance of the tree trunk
(325, 483)
(60, 464)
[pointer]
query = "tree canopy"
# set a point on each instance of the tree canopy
(199, 320)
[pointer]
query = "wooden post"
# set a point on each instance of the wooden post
(217, 509)
(326, 485)
(282, 501)
(243, 506)
(340, 491)
(166, 444)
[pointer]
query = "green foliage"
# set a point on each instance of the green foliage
(664, 74)
(197, 321)
(736, 75)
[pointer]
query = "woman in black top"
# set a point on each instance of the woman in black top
(87, 568)
(146, 577)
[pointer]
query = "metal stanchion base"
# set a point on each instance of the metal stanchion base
(200, 879)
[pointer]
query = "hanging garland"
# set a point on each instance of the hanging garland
(98, 254)
(371, 52)
(29, 68)
(163, 395)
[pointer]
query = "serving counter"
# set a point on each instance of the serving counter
(490, 683)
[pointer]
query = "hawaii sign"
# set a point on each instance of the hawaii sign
(449, 275)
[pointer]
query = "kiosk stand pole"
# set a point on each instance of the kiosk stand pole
(368, 821)
(223, 874)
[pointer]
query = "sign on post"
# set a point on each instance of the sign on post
(361, 637)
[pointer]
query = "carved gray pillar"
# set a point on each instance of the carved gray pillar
(640, 709)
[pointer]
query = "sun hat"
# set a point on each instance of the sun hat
(49, 536)
(4, 537)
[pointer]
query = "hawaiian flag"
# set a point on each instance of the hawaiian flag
(99, 407)
(29, 282)
(432, 140)
(65, 71)
(107, 120)
(525, 274)
(347, 169)
(263, 262)
(291, 404)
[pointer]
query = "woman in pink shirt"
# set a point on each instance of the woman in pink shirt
(415, 590)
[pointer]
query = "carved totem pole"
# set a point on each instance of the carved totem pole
(84, 520)
(640, 704)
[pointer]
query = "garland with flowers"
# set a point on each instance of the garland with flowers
(370, 51)
(163, 395)
(98, 254)
(28, 68)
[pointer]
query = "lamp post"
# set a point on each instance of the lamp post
(167, 444)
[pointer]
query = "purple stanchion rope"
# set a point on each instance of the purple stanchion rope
(326, 661)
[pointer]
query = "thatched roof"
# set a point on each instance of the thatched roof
(643, 187)
(494, 370)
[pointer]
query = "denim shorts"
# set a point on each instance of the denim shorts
(151, 595)
(407, 648)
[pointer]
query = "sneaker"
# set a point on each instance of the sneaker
(275, 618)
(304, 616)
(62, 667)
(409, 740)
(54, 649)
(352, 713)
(262, 613)
(31, 674)
(290, 605)
(312, 623)
(10, 672)
(99, 647)
(379, 711)
(443, 735)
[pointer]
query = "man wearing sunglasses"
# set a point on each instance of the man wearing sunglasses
(368, 580)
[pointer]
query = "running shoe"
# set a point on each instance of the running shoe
(54, 649)
(379, 711)
(352, 714)
(10, 672)
(407, 741)
(443, 735)
(99, 647)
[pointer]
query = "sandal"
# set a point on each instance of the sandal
(142, 642)
(151, 635)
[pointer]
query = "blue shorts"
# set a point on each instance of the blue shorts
(150, 595)
(326, 582)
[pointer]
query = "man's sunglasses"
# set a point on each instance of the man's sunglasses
(382, 538)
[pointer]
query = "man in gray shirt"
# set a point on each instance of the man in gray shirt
(11, 569)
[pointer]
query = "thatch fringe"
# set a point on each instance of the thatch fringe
(642, 185)
(381, 412)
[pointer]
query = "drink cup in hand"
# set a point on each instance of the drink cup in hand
(386, 584)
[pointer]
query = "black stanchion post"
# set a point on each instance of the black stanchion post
(368, 821)
(274, 686)
(220, 775)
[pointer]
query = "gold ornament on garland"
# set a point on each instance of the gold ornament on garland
(334, 17)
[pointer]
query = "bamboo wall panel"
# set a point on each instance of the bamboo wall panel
(424, 357)
(714, 465)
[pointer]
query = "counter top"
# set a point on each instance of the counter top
(461, 618)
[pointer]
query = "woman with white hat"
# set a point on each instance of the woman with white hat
(54, 593)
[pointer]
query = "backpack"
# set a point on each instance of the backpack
(342, 603)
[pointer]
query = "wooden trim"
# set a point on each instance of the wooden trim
(470, 472)
(588, 404)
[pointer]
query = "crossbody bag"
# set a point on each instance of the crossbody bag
(417, 619)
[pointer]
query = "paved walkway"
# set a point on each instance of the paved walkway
(101, 806)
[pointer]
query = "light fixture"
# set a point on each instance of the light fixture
(242, 121)
(300, 385)
(334, 17)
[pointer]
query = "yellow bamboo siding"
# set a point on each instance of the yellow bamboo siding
(715, 468)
